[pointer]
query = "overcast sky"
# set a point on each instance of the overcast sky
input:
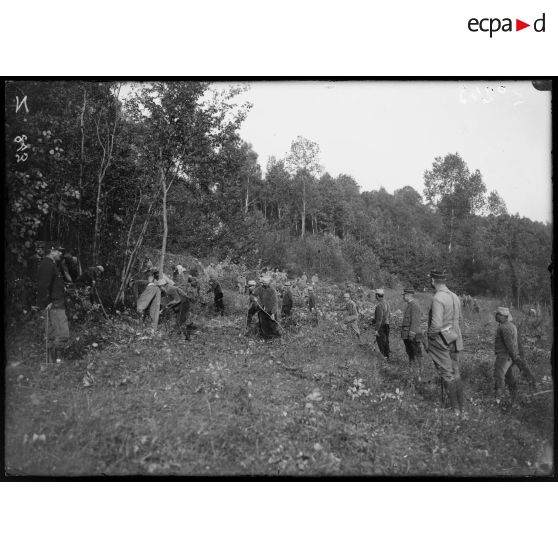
(388, 133)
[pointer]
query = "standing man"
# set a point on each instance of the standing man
(217, 296)
(444, 338)
(51, 298)
(311, 301)
(381, 321)
(351, 317)
(267, 308)
(252, 305)
(507, 355)
(411, 332)
(287, 302)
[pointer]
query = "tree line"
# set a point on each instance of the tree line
(112, 168)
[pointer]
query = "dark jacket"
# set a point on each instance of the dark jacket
(381, 314)
(411, 320)
(89, 275)
(287, 299)
(50, 283)
(217, 291)
(267, 298)
(506, 340)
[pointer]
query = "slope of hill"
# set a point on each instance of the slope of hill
(312, 403)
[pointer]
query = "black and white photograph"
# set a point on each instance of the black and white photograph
(277, 278)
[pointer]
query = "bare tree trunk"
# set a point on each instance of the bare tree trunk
(165, 224)
(81, 171)
(303, 219)
(105, 163)
(247, 199)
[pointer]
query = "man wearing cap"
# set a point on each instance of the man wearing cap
(507, 354)
(351, 317)
(267, 309)
(311, 301)
(51, 297)
(287, 302)
(215, 287)
(411, 332)
(381, 322)
(444, 337)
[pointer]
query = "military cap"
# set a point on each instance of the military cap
(438, 275)
(379, 292)
(503, 311)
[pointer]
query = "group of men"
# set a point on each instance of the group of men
(53, 272)
(265, 303)
(442, 340)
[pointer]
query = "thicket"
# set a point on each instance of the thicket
(163, 166)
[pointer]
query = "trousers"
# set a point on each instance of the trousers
(383, 340)
(445, 357)
(58, 330)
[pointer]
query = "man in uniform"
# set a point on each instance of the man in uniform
(287, 302)
(252, 305)
(51, 297)
(507, 355)
(381, 323)
(267, 309)
(311, 301)
(411, 332)
(351, 315)
(215, 287)
(444, 338)
(179, 303)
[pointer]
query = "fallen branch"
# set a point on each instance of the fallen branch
(540, 393)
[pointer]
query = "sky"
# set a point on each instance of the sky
(386, 134)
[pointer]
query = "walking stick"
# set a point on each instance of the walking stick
(100, 301)
(269, 316)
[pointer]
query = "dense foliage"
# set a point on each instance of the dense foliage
(164, 166)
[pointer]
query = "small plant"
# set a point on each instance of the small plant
(358, 389)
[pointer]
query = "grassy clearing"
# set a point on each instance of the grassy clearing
(227, 404)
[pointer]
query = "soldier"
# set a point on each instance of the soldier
(444, 338)
(267, 309)
(252, 304)
(215, 287)
(311, 301)
(241, 283)
(51, 298)
(411, 332)
(287, 302)
(381, 323)
(180, 304)
(351, 316)
(507, 355)
(91, 275)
